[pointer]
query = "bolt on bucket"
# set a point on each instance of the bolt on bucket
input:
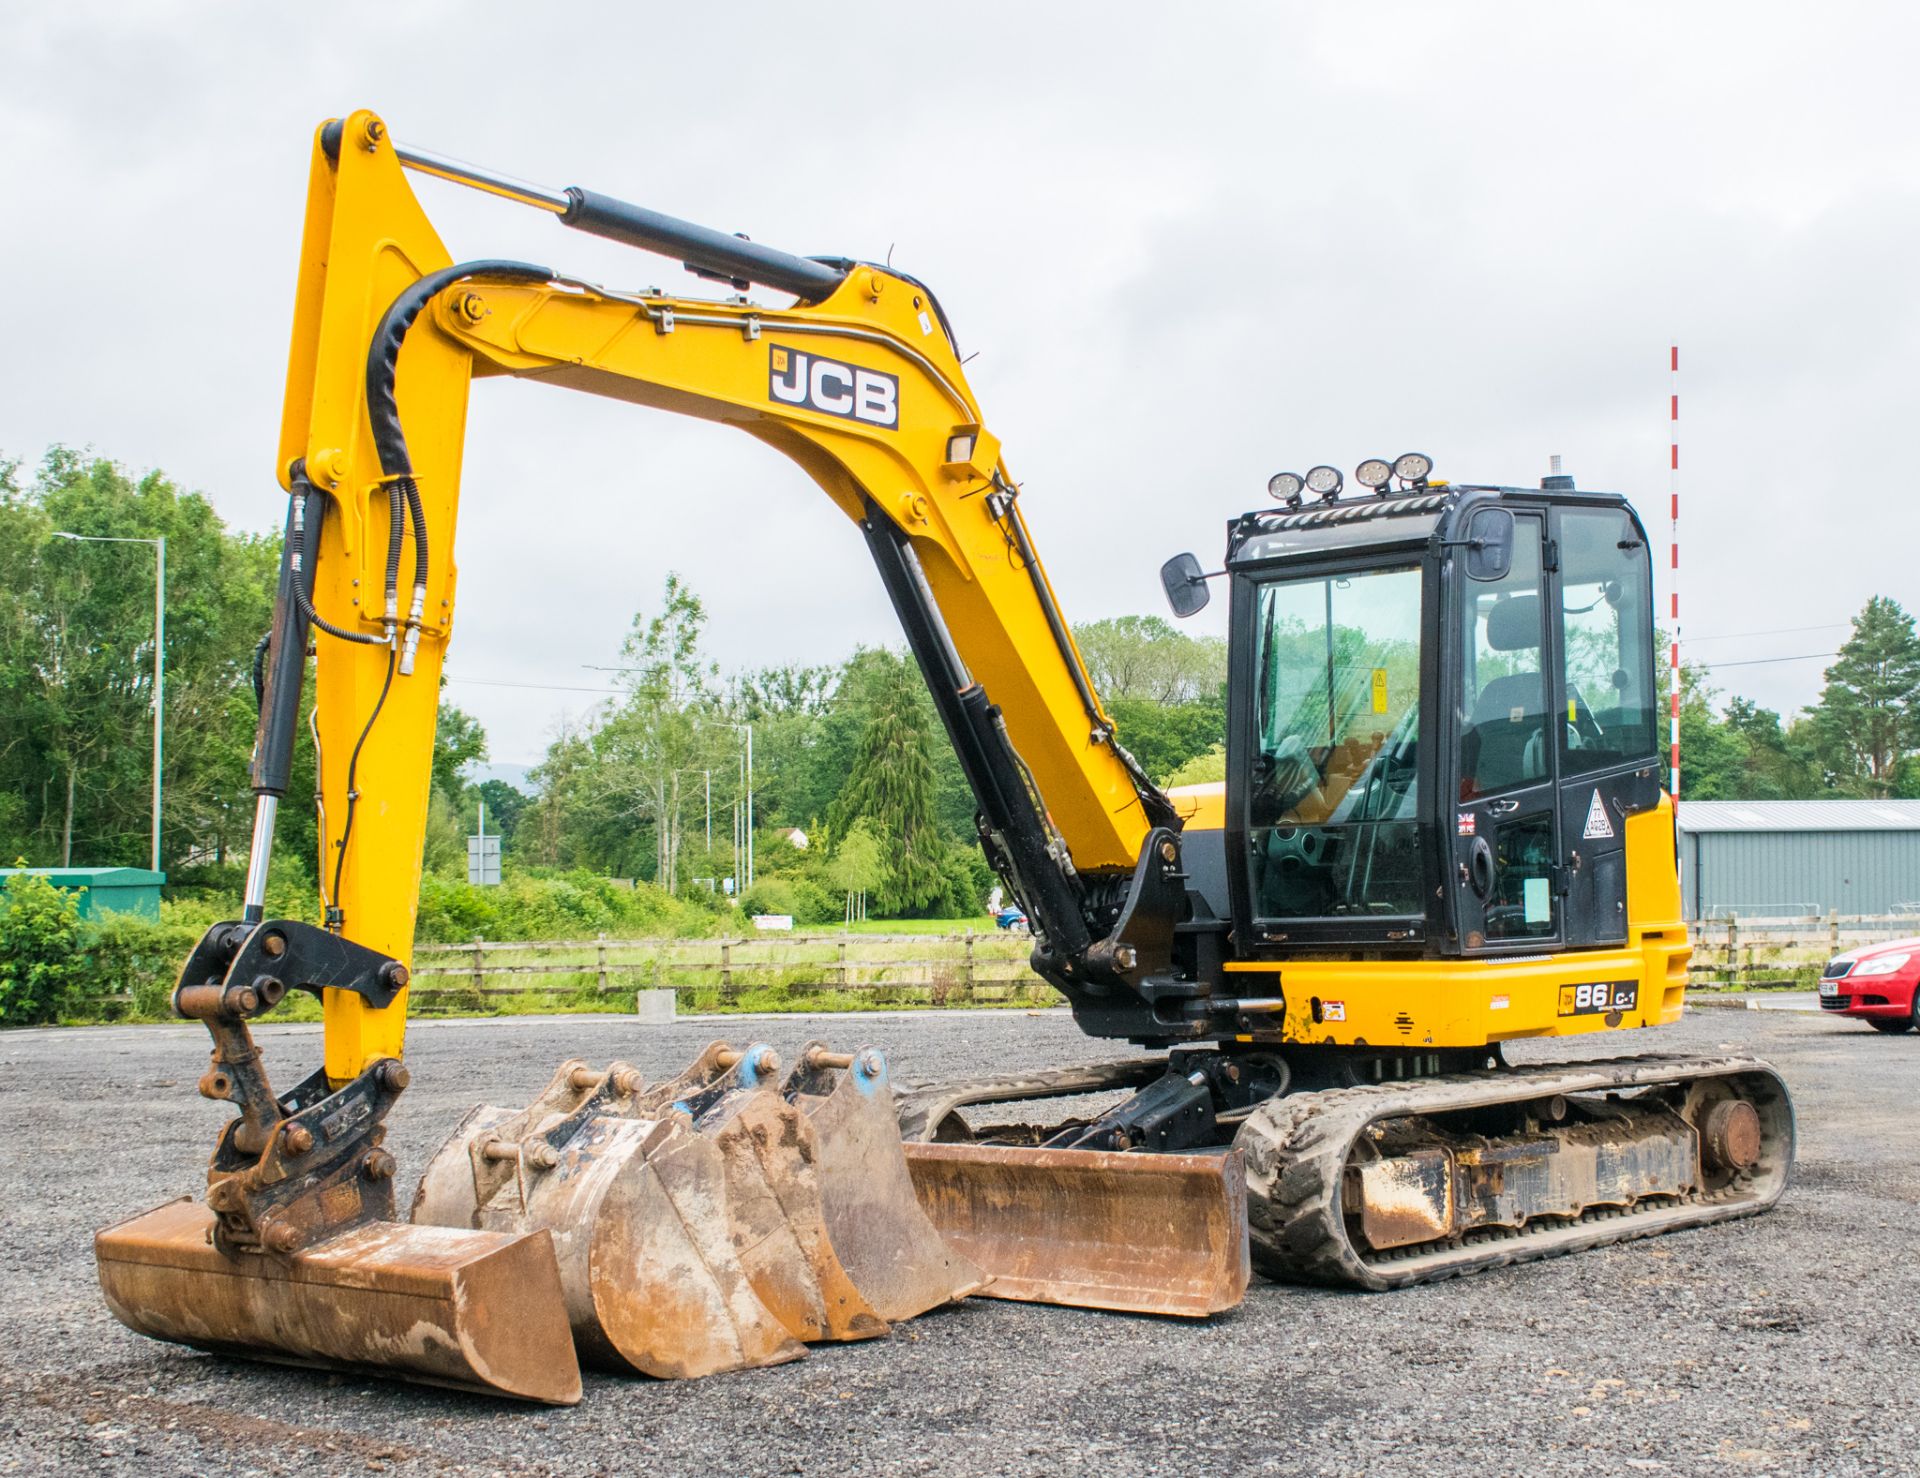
(479, 1311)
(1095, 1229)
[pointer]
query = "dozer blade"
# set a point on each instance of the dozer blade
(1094, 1229)
(639, 1216)
(476, 1310)
(894, 1254)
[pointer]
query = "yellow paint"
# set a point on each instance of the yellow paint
(1450, 1003)
(1201, 807)
(365, 240)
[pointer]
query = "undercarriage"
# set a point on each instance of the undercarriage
(1378, 1172)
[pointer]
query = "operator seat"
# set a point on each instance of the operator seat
(1504, 744)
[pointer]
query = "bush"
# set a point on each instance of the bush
(141, 958)
(41, 967)
(771, 895)
(566, 905)
(813, 904)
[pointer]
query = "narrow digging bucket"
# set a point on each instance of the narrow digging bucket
(640, 1219)
(476, 1310)
(894, 1254)
(779, 1225)
(1140, 1233)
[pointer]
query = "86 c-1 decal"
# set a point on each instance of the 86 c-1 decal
(1600, 998)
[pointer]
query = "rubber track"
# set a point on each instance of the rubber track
(1297, 1146)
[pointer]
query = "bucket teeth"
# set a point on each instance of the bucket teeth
(894, 1254)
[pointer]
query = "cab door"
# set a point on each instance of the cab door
(1604, 723)
(1505, 817)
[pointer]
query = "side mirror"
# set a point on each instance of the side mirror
(1490, 544)
(1185, 585)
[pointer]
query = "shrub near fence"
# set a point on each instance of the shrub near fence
(757, 973)
(1763, 950)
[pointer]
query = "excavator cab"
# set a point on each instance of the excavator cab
(1441, 717)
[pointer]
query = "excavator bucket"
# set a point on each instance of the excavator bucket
(708, 1222)
(895, 1255)
(639, 1215)
(779, 1226)
(480, 1311)
(1092, 1229)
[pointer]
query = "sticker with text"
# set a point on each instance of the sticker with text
(1600, 998)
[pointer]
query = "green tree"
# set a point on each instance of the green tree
(76, 664)
(890, 786)
(505, 804)
(1869, 713)
(1148, 659)
(458, 741)
(621, 786)
(858, 867)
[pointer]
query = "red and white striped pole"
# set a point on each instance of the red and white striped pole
(1673, 490)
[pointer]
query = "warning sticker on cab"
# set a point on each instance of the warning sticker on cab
(1333, 1010)
(1379, 690)
(1600, 998)
(1598, 824)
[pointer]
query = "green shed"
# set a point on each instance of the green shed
(103, 890)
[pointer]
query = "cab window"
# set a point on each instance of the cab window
(1606, 717)
(1503, 729)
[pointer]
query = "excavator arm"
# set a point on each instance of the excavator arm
(858, 382)
(713, 1221)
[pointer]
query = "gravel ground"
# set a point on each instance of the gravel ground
(1777, 1344)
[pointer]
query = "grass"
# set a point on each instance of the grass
(924, 968)
(981, 925)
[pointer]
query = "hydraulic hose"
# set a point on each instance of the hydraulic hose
(390, 441)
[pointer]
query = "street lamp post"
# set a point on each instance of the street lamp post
(159, 653)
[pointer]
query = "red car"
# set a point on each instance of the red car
(1876, 984)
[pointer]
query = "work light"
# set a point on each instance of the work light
(1412, 467)
(1326, 481)
(1374, 473)
(1286, 486)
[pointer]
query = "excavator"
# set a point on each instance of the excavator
(1442, 830)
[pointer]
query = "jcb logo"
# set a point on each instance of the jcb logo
(833, 388)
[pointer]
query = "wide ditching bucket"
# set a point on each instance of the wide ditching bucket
(479, 1311)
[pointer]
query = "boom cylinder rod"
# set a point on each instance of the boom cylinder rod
(701, 248)
(266, 808)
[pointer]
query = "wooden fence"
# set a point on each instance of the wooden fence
(774, 969)
(1734, 952)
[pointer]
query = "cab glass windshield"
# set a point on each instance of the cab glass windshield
(1333, 807)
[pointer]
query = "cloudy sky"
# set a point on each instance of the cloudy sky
(1191, 245)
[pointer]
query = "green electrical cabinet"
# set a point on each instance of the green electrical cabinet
(103, 890)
